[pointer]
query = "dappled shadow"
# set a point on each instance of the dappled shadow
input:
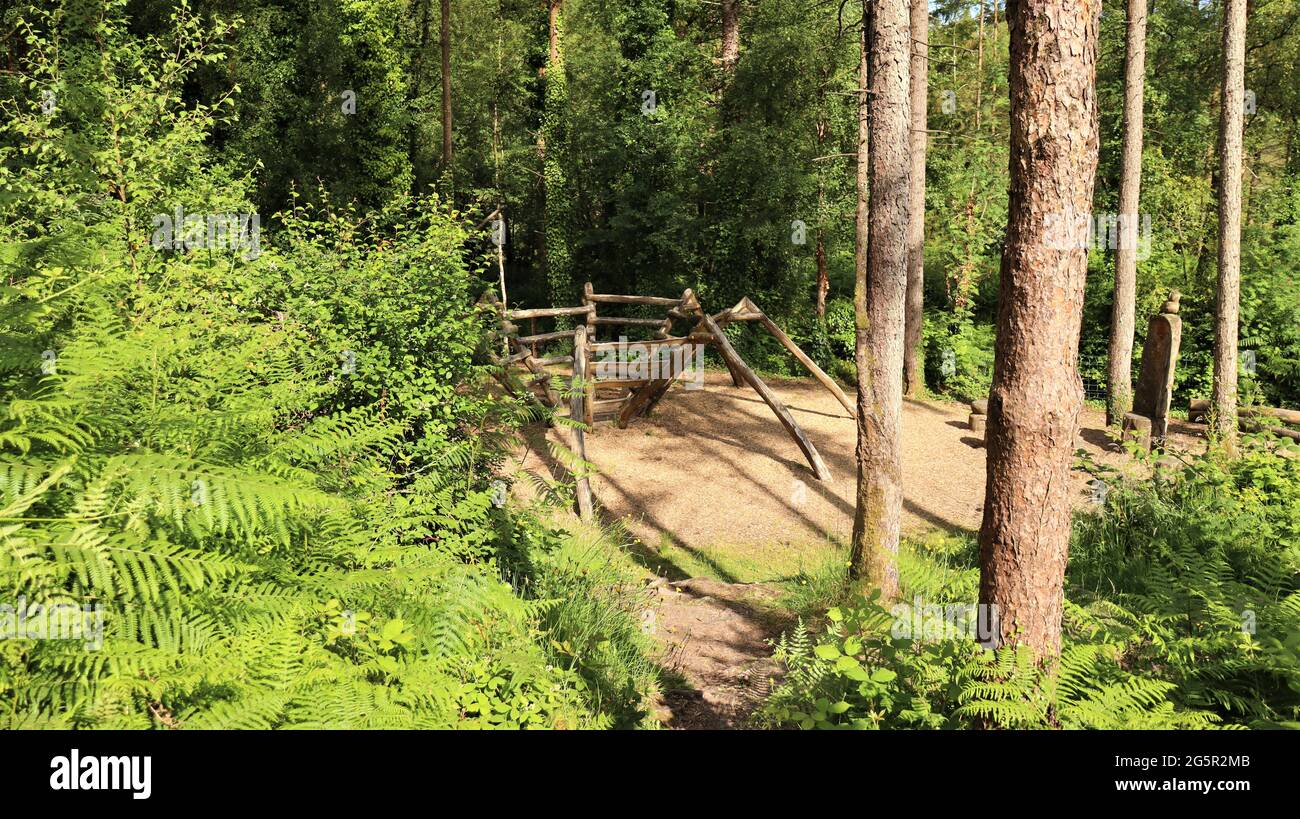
(1099, 438)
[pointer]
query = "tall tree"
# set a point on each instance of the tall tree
(446, 86)
(1228, 309)
(1119, 394)
(1037, 394)
(730, 34)
(881, 297)
(553, 141)
(913, 368)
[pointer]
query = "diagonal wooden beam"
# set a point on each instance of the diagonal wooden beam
(751, 309)
(730, 355)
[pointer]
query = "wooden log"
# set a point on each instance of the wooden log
(614, 298)
(541, 337)
(587, 293)
(646, 396)
(746, 310)
(1200, 407)
(1252, 426)
(588, 374)
(689, 302)
(648, 344)
(787, 420)
(638, 400)
(620, 383)
(980, 406)
(546, 312)
(551, 398)
(977, 423)
(550, 361)
(818, 373)
(577, 412)
(638, 322)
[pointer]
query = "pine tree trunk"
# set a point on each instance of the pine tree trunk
(1119, 393)
(860, 232)
(823, 275)
(1037, 395)
(877, 522)
(1227, 314)
(446, 86)
(730, 34)
(913, 367)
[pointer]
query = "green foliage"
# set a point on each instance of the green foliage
(268, 477)
(1183, 611)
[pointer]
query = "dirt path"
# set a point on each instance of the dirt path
(714, 639)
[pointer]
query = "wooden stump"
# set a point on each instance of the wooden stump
(1137, 428)
(978, 423)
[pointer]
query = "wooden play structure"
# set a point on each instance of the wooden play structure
(605, 385)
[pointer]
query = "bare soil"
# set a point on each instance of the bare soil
(714, 465)
(712, 470)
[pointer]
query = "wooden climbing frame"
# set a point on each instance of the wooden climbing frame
(626, 397)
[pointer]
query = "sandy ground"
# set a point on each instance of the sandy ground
(714, 465)
(712, 475)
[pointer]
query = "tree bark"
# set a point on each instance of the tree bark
(730, 34)
(1119, 393)
(1227, 314)
(553, 32)
(823, 274)
(446, 86)
(877, 521)
(913, 368)
(1037, 394)
(979, 70)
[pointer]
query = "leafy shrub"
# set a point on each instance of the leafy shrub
(1182, 611)
(271, 539)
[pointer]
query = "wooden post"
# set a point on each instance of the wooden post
(577, 412)
(590, 304)
(787, 420)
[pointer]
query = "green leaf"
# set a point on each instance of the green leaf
(827, 651)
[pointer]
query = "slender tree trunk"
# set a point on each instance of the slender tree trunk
(553, 32)
(730, 34)
(417, 74)
(1227, 314)
(823, 275)
(1119, 393)
(446, 86)
(877, 522)
(1037, 395)
(557, 215)
(860, 231)
(913, 367)
(979, 71)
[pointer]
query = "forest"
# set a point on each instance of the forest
(645, 364)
